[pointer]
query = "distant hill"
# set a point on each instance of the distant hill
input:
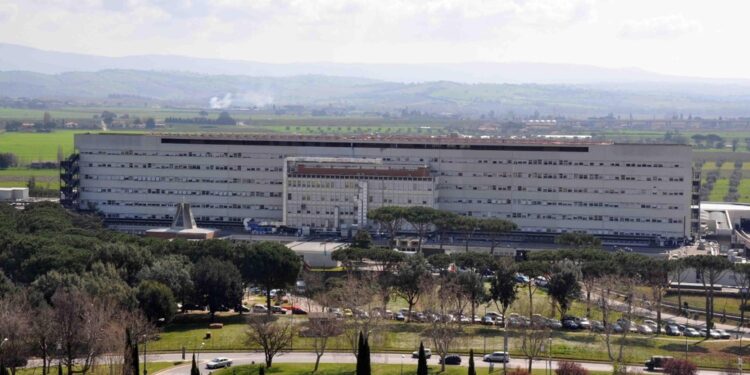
(368, 94)
(15, 57)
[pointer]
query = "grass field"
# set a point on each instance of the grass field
(190, 330)
(349, 369)
(102, 369)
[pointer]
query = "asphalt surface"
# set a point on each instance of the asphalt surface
(384, 358)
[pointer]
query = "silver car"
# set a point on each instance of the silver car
(219, 362)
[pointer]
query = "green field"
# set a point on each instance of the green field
(190, 331)
(349, 369)
(152, 367)
(30, 147)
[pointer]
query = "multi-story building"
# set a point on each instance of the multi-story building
(547, 186)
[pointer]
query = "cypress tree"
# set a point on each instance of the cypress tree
(472, 371)
(366, 358)
(135, 359)
(360, 352)
(262, 370)
(194, 369)
(422, 361)
(3, 369)
(59, 368)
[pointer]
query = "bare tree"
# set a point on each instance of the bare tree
(320, 328)
(358, 294)
(14, 330)
(266, 332)
(441, 298)
(615, 339)
(42, 335)
(532, 343)
(83, 328)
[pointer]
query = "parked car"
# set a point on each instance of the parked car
(278, 310)
(494, 314)
(657, 362)
(650, 323)
(487, 320)
(724, 334)
(192, 306)
(400, 317)
(452, 359)
(241, 308)
(673, 330)
(427, 353)
(541, 281)
(583, 323)
(597, 326)
(497, 357)
(691, 332)
(554, 324)
(569, 324)
(296, 310)
(710, 333)
(260, 308)
(645, 329)
(219, 362)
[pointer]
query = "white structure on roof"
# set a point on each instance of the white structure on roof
(317, 254)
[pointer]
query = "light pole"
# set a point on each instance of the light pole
(402, 364)
(549, 354)
(199, 352)
(739, 358)
(145, 352)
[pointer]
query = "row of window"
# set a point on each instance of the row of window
(182, 192)
(266, 207)
(545, 189)
(268, 156)
(529, 202)
(210, 180)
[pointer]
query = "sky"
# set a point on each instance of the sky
(680, 37)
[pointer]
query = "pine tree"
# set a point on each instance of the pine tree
(421, 361)
(472, 371)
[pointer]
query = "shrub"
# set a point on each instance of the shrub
(518, 371)
(680, 367)
(570, 368)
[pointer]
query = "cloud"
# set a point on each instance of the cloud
(8, 12)
(662, 27)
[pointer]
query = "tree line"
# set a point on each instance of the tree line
(425, 220)
(83, 279)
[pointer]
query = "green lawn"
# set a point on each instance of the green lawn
(102, 369)
(349, 369)
(190, 330)
(29, 147)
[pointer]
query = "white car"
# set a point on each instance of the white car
(260, 308)
(691, 332)
(645, 329)
(427, 353)
(497, 357)
(219, 362)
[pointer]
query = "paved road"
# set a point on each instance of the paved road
(385, 358)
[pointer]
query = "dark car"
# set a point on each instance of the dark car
(657, 362)
(673, 330)
(570, 324)
(192, 306)
(298, 311)
(242, 308)
(452, 359)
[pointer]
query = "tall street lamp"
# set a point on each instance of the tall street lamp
(145, 352)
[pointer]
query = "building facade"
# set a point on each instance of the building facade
(330, 183)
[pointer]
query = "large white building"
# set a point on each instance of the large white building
(331, 182)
